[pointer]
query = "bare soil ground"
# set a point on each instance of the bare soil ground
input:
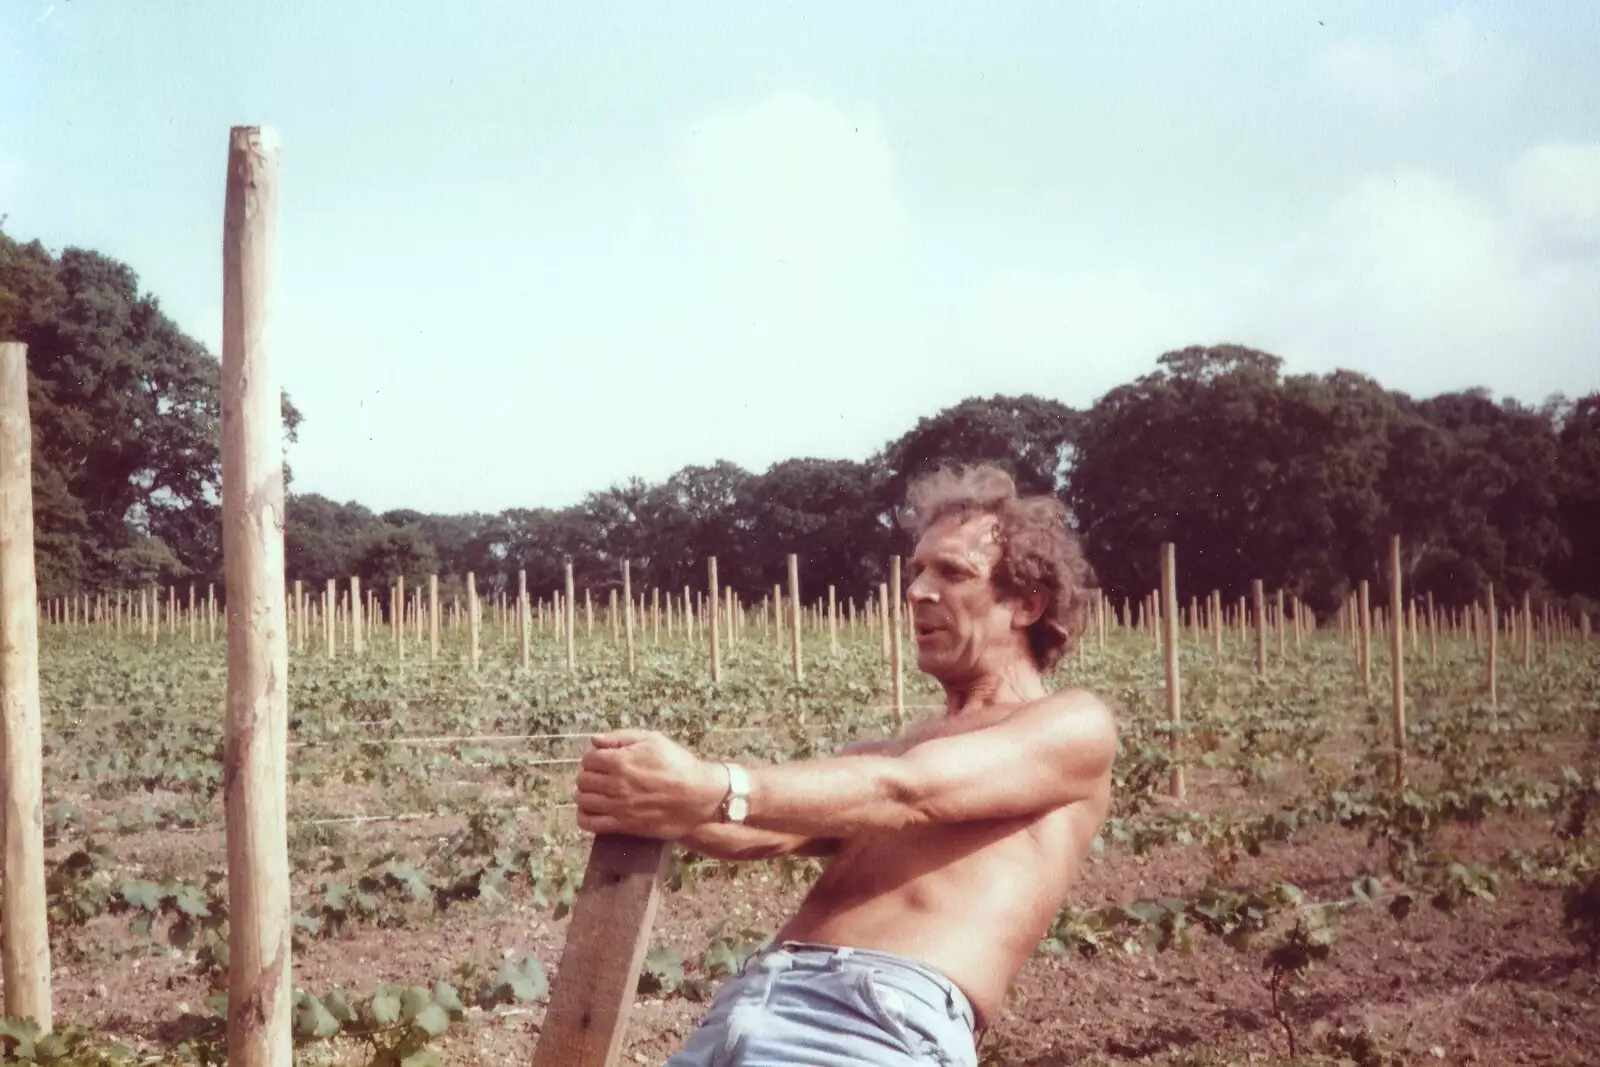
(1497, 984)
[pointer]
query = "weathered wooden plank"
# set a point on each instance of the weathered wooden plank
(606, 943)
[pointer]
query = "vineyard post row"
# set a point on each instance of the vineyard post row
(787, 615)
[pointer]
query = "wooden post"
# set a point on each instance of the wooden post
(357, 639)
(607, 938)
(1278, 623)
(627, 595)
(1527, 629)
(794, 617)
(892, 615)
(328, 600)
(1491, 630)
(397, 615)
(1433, 631)
(524, 623)
(716, 648)
(1216, 623)
(1364, 621)
(255, 743)
(883, 615)
(570, 621)
(24, 927)
(1397, 659)
(833, 623)
(1169, 621)
(1260, 605)
(474, 621)
(211, 611)
(193, 622)
(433, 617)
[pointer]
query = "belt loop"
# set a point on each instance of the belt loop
(840, 957)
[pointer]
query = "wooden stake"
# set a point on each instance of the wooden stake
(627, 595)
(25, 957)
(433, 617)
(794, 617)
(1261, 628)
(892, 615)
(1169, 619)
(524, 623)
(356, 637)
(1491, 630)
(474, 621)
(608, 936)
(716, 648)
(255, 743)
(1364, 621)
(397, 613)
(329, 599)
(570, 621)
(1397, 659)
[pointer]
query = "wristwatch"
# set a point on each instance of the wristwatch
(736, 805)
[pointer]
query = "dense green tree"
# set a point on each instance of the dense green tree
(125, 415)
(1030, 437)
(1578, 481)
(397, 552)
(826, 512)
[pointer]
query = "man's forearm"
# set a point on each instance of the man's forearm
(729, 841)
(838, 797)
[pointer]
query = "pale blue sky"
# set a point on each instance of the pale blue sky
(528, 251)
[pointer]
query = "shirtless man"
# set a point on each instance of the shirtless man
(952, 845)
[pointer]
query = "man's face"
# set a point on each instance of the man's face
(960, 619)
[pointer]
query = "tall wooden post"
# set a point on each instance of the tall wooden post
(716, 646)
(1527, 629)
(627, 595)
(193, 622)
(1169, 621)
(1491, 630)
(833, 623)
(24, 926)
(329, 599)
(474, 621)
(883, 616)
(892, 617)
(397, 616)
(794, 617)
(1278, 623)
(357, 639)
(433, 617)
(255, 743)
(524, 623)
(570, 621)
(1397, 658)
(1364, 620)
(1260, 606)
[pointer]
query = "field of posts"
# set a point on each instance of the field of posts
(1295, 901)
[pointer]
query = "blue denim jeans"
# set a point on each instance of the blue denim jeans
(801, 1005)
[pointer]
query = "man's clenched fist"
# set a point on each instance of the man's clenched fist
(640, 782)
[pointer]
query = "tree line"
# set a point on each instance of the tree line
(1295, 479)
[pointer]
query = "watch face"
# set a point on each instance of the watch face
(737, 808)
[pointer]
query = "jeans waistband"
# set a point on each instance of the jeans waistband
(917, 979)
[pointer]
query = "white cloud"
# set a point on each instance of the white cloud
(1415, 279)
(793, 178)
(1554, 192)
(1452, 49)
